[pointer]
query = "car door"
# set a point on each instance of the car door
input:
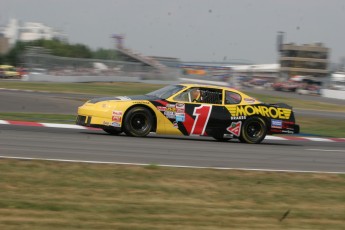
(198, 114)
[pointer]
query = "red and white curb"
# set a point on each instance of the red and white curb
(69, 126)
(48, 125)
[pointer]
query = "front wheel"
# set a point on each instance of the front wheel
(138, 122)
(253, 130)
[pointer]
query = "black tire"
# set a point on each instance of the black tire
(253, 130)
(112, 131)
(138, 122)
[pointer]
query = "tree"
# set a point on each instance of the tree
(57, 48)
(106, 54)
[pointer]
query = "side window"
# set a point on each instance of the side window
(200, 95)
(185, 96)
(211, 96)
(232, 98)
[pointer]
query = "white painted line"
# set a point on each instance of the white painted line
(64, 126)
(268, 137)
(171, 166)
(326, 150)
(275, 138)
(2, 122)
(318, 139)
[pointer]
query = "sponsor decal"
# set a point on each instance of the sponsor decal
(161, 108)
(170, 105)
(169, 109)
(239, 118)
(235, 128)
(117, 116)
(266, 111)
(175, 125)
(180, 117)
(169, 114)
(277, 124)
(141, 102)
(115, 124)
(117, 113)
(180, 106)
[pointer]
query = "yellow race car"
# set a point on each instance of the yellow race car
(8, 71)
(189, 109)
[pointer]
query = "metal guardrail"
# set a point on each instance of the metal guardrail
(38, 62)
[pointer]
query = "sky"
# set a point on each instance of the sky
(192, 30)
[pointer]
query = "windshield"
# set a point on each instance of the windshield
(167, 91)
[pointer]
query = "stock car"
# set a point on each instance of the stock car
(219, 112)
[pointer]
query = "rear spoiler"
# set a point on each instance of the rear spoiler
(281, 105)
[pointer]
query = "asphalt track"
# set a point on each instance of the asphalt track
(96, 146)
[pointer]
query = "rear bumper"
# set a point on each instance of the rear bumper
(291, 129)
(296, 128)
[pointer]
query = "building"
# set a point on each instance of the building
(33, 31)
(4, 44)
(29, 31)
(263, 71)
(304, 60)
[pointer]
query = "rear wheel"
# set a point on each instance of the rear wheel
(138, 122)
(253, 130)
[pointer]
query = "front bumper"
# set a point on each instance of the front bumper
(83, 120)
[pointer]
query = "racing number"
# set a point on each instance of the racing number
(202, 114)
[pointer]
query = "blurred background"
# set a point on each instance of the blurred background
(291, 47)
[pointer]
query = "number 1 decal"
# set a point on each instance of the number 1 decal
(202, 114)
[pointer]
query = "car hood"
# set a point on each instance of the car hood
(124, 98)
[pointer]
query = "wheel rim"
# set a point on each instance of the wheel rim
(254, 130)
(139, 122)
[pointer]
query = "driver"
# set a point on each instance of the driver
(195, 95)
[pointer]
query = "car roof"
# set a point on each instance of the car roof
(208, 86)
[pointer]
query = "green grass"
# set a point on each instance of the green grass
(321, 126)
(49, 195)
(299, 104)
